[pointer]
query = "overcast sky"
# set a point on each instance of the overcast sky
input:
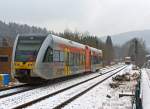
(99, 17)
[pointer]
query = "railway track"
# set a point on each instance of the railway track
(16, 90)
(57, 92)
(62, 98)
(61, 105)
(45, 96)
(13, 87)
(21, 88)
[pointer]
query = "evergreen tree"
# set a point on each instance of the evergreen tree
(137, 51)
(108, 51)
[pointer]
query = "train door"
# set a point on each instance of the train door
(66, 66)
(87, 59)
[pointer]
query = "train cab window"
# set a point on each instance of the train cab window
(56, 55)
(48, 55)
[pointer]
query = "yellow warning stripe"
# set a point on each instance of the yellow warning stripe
(26, 65)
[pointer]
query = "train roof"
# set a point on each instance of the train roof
(95, 49)
(64, 41)
(32, 34)
(72, 43)
(61, 40)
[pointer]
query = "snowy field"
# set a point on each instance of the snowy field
(104, 97)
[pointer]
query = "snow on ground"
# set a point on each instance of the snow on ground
(127, 69)
(13, 90)
(145, 88)
(55, 100)
(104, 97)
(21, 98)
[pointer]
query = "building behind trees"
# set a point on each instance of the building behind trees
(5, 55)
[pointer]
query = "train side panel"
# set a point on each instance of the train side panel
(96, 59)
(68, 58)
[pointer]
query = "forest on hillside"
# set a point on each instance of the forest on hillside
(111, 52)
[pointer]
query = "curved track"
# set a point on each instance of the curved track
(44, 92)
(5, 92)
(66, 89)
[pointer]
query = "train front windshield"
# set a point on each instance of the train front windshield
(28, 47)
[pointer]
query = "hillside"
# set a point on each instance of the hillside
(120, 39)
(11, 30)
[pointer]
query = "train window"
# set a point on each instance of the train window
(71, 58)
(74, 59)
(67, 58)
(56, 55)
(29, 43)
(83, 59)
(3, 58)
(61, 56)
(78, 59)
(48, 55)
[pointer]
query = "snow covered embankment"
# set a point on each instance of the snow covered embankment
(145, 88)
(105, 97)
(123, 84)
